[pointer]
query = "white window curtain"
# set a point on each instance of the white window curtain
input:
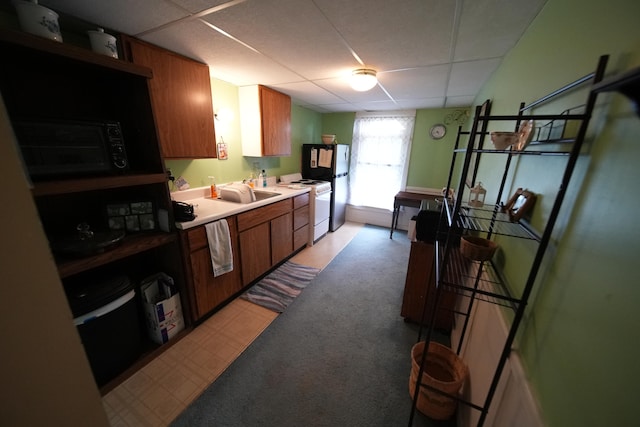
(379, 157)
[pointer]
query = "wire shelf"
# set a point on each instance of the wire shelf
(474, 279)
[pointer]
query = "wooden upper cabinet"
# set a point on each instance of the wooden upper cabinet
(265, 119)
(181, 97)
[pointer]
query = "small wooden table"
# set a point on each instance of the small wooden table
(405, 198)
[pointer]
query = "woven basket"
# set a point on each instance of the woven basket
(445, 371)
(477, 248)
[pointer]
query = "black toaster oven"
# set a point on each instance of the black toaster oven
(64, 148)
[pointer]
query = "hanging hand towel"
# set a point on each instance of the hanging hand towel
(220, 246)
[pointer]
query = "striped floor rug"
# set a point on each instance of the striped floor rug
(278, 289)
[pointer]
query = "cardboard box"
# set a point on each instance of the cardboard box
(162, 308)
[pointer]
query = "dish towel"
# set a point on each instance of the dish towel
(219, 247)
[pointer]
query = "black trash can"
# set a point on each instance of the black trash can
(106, 315)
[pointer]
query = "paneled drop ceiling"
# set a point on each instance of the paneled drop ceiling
(428, 53)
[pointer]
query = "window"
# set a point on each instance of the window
(379, 157)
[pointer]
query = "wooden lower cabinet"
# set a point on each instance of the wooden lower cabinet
(261, 239)
(281, 238)
(300, 221)
(207, 290)
(255, 250)
(420, 288)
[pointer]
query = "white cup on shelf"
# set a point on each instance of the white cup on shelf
(103, 43)
(38, 20)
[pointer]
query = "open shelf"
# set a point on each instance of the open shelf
(57, 50)
(52, 188)
(488, 221)
(480, 280)
(474, 279)
(626, 83)
(130, 245)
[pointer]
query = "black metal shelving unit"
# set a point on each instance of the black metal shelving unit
(483, 281)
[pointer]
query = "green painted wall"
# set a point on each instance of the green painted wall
(431, 159)
(580, 340)
(340, 124)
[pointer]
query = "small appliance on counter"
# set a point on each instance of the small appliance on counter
(183, 212)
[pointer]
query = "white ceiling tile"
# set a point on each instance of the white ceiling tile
(389, 35)
(297, 37)
(468, 77)
(490, 28)
(308, 92)
(422, 103)
(459, 101)
(228, 60)
(195, 6)
(423, 82)
(307, 48)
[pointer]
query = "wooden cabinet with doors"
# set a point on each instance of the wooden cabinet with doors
(301, 215)
(181, 97)
(206, 290)
(420, 288)
(266, 238)
(281, 229)
(265, 121)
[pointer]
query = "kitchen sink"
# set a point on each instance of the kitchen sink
(262, 195)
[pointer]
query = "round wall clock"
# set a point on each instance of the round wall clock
(437, 131)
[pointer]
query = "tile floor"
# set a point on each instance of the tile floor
(160, 391)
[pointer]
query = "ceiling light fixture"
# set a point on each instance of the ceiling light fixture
(363, 79)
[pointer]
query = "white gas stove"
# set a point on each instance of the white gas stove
(319, 203)
(295, 180)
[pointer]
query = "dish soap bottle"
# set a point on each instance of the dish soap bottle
(264, 178)
(214, 189)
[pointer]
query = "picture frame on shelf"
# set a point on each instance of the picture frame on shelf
(131, 217)
(519, 204)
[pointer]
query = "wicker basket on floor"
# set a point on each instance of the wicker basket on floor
(477, 248)
(445, 371)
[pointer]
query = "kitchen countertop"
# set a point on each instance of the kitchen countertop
(208, 209)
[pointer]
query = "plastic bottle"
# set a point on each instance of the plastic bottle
(252, 180)
(263, 176)
(214, 189)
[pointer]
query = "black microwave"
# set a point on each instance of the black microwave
(62, 148)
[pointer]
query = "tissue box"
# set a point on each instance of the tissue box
(162, 308)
